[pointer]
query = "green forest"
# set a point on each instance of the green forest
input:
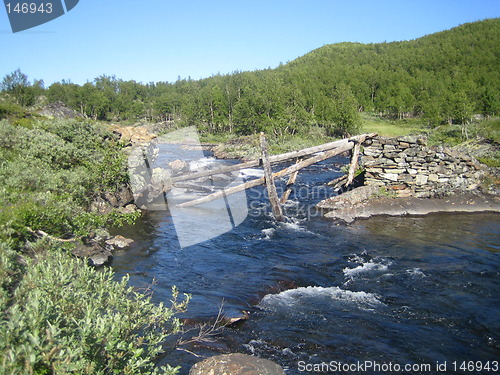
(442, 78)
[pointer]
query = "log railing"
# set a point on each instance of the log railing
(324, 151)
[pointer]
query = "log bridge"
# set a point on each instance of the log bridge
(324, 151)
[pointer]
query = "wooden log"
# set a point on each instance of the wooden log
(338, 183)
(346, 146)
(289, 184)
(268, 175)
(205, 189)
(211, 172)
(222, 193)
(354, 163)
(275, 158)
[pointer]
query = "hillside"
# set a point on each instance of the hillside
(443, 78)
(429, 75)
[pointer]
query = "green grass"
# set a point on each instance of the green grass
(489, 129)
(390, 128)
(314, 136)
(215, 138)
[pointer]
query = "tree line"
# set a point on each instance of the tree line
(444, 77)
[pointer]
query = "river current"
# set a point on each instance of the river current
(324, 297)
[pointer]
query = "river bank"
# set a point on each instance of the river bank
(368, 201)
(403, 176)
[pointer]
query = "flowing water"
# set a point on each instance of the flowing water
(381, 292)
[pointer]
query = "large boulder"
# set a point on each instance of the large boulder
(134, 134)
(97, 254)
(59, 110)
(108, 201)
(236, 364)
(120, 198)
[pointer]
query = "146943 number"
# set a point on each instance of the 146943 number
(26, 8)
(476, 366)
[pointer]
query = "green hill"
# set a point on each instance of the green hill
(447, 77)
(432, 75)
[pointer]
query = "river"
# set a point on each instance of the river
(418, 291)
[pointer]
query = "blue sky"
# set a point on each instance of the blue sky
(160, 40)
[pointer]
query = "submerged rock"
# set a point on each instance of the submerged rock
(97, 254)
(236, 364)
(119, 242)
(179, 166)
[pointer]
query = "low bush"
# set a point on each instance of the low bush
(57, 315)
(65, 317)
(50, 174)
(8, 109)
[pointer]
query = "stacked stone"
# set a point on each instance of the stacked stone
(410, 168)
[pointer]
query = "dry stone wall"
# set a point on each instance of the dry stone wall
(408, 167)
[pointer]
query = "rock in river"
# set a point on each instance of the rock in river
(97, 254)
(119, 242)
(236, 364)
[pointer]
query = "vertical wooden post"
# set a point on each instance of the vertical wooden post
(354, 163)
(289, 184)
(271, 187)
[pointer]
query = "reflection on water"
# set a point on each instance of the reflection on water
(437, 228)
(400, 290)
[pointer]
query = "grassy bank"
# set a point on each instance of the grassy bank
(480, 140)
(390, 128)
(58, 315)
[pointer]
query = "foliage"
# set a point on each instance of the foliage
(11, 110)
(9, 274)
(17, 85)
(49, 174)
(491, 160)
(442, 78)
(57, 315)
(488, 130)
(66, 317)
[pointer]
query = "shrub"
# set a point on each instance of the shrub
(11, 110)
(66, 317)
(50, 174)
(9, 271)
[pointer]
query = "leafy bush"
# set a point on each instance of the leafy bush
(66, 317)
(490, 129)
(58, 316)
(9, 270)
(11, 110)
(51, 173)
(446, 134)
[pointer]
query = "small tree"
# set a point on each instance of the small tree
(17, 85)
(346, 116)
